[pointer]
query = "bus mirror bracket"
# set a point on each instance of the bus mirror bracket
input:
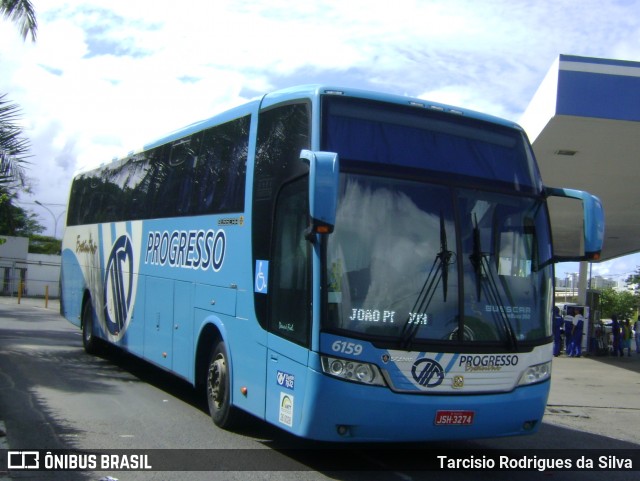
(324, 181)
(593, 222)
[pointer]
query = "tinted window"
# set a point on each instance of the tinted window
(290, 274)
(282, 133)
(398, 136)
(203, 173)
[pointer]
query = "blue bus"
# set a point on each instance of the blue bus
(346, 265)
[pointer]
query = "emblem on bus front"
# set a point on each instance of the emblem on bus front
(118, 284)
(427, 372)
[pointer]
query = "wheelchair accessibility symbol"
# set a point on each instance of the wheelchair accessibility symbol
(262, 277)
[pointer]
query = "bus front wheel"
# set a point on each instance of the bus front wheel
(218, 384)
(89, 340)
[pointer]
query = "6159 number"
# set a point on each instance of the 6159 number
(345, 347)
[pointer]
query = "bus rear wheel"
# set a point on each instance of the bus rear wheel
(89, 340)
(218, 384)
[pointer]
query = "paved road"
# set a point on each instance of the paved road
(54, 396)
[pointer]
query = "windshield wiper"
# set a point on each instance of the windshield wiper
(445, 258)
(483, 269)
(439, 271)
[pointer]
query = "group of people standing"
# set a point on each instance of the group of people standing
(623, 334)
(570, 329)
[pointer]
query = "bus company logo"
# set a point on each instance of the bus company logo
(427, 372)
(193, 249)
(118, 285)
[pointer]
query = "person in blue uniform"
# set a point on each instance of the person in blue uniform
(576, 341)
(568, 331)
(557, 323)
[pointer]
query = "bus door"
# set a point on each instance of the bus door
(305, 208)
(289, 286)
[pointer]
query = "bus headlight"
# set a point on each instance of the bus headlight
(535, 374)
(350, 370)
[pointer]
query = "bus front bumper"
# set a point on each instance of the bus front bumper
(351, 412)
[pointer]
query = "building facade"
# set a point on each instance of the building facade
(25, 274)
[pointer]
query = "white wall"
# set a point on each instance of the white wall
(43, 271)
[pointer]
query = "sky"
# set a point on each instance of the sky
(105, 77)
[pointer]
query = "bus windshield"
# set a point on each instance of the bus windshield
(412, 262)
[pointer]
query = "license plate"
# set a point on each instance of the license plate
(454, 418)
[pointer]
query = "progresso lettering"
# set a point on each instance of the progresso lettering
(493, 362)
(193, 249)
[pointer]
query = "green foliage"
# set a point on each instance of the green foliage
(622, 303)
(14, 220)
(14, 147)
(633, 281)
(40, 244)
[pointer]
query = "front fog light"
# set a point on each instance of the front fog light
(535, 374)
(361, 372)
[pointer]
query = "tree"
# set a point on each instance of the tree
(15, 221)
(23, 14)
(39, 244)
(14, 147)
(622, 303)
(633, 281)
(14, 150)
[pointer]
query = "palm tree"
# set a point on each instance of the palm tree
(23, 14)
(13, 147)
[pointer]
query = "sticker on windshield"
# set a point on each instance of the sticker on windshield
(286, 409)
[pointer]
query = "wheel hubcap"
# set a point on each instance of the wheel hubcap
(217, 376)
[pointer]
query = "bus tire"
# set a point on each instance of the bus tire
(218, 386)
(89, 340)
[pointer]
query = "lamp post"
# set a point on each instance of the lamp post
(55, 218)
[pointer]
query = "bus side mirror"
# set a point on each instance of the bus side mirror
(324, 181)
(592, 227)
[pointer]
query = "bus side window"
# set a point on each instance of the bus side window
(220, 173)
(290, 276)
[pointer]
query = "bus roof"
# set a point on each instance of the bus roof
(311, 91)
(315, 90)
